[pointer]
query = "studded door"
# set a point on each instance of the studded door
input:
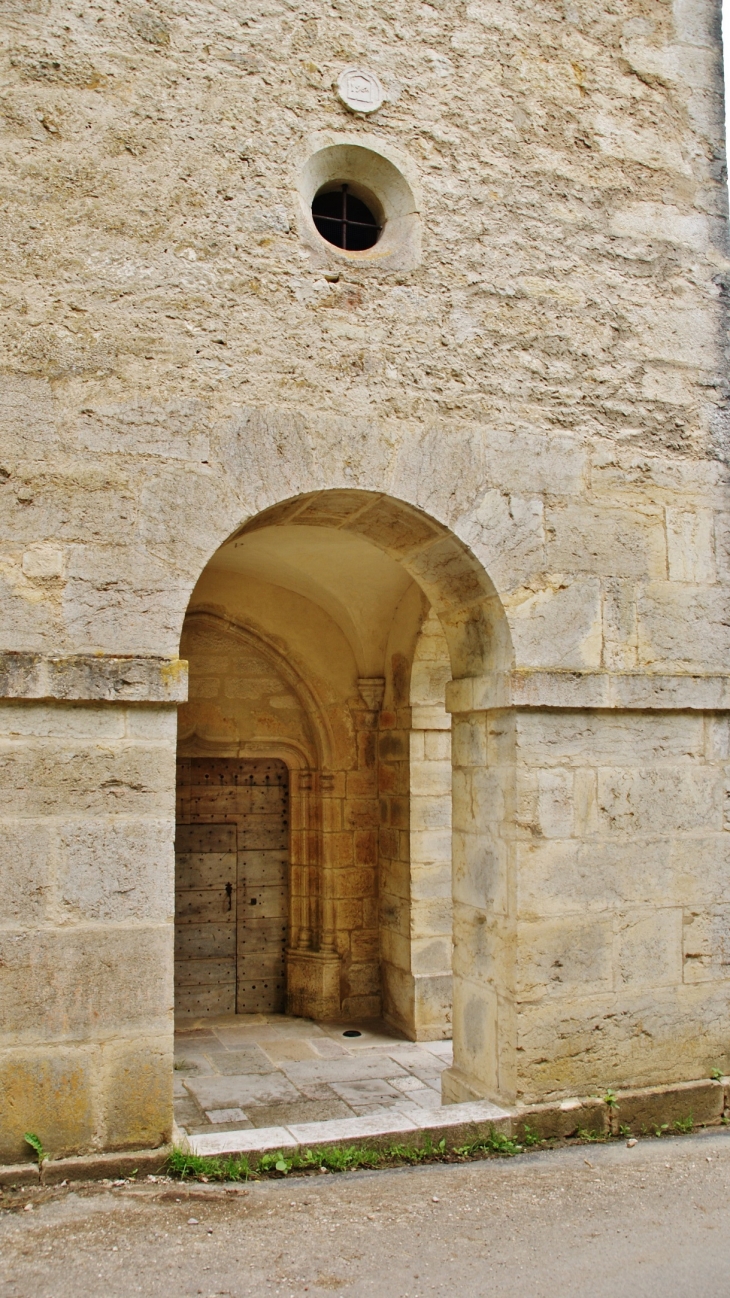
(230, 932)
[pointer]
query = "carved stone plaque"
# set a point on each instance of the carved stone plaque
(360, 90)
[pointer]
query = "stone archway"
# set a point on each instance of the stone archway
(340, 588)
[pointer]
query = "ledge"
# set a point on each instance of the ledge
(93, 677)
(649, 1110)
(627, 691)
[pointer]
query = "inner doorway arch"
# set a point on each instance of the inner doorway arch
(302, 633)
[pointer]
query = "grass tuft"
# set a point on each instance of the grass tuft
(338, 1158)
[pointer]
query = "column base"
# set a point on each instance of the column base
(313, 984)
(456, 1088)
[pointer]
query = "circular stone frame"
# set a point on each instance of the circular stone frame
(387, 183)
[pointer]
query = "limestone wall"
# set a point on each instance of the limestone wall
(548, 384)
(86, 910)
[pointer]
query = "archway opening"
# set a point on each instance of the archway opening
(314, 849)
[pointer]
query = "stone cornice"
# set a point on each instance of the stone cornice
(622, 691)
(93, 677)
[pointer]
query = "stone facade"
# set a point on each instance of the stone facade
(500, 440)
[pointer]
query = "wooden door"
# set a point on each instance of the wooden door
(205, 919)
(236, 964)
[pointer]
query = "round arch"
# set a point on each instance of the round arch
(357, 807)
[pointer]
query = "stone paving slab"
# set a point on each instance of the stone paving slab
(350, 1130)
(256, 1140)
(277, 1070)
(244, 1092)
(452, 1120)
(340, 1070)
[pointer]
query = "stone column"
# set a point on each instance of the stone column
(591, 926)
(87, 765)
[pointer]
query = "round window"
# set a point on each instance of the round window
(344, 219)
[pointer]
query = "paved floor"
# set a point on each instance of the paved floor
(270, 1070)
(587, 1222)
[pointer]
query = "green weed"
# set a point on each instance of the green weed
(36, 1145)
(685, 1125)
(624, 1131)
(530, 1137)
(340, 1158)
(494, 1143)
(717, 1075)
(610, 1099)
(592, 1137)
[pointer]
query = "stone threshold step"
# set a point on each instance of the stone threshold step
(460, 1122)
(643, 1111)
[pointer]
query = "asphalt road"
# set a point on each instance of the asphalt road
(589, 1222)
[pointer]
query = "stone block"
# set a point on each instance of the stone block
(366, 847)
(356, 882)
(332, 809)
(557, 624)
(313, 984)
(101, 599)
(583, 1045)
(660, 801)
(357, 1008)
(395, 943)
(560, 1120)
(691, 545)
(699, 868)
(430, 813)
(650, 948)
(555, 803)
(437, 748)
(431, 779)
(339, 848)
(62, 720)
(606, 540)
(569, 876)
(362, 784)
(683, 627)
(706, 944)
(430, 917)
(558, 957)
(253, 1140)
(469, 741)
(350, 913)
(582, 739)
(373, 1129)
(480, 870)
(475, 1014)
(137, 1094)
(152, 723)
(101, 1167)
(26, 853)
(116, 871)
(432, 999)
(51, 1094)
(431, 956)
(104, 779)
(428, 882)
(85, 983)
(431, 845)
(18, 1174)
(362, 979)
(649, 1107)
(461, 1124)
